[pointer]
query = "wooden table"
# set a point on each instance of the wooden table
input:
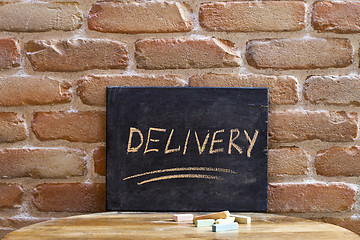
(113, 225)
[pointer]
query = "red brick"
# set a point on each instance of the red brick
(303, 53)
(156, 17)
(76, 55)
(12, 127)
(300, 125)
(34, 91)
(352, 224)
(338, 161)
(70, 197)
(282, 89)
(99, 156)
(92, 89)
(9, 53)
(185, 53)
(339, 17)
(288, 161)
(248, 16)
(39, 16)
(310, 197)
(72, 126)
(41, 163)
(10, 195)
(333, 90)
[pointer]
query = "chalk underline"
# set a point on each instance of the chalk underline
(209, 169)
(203, 176)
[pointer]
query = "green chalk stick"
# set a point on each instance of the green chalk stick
(225, 227)
(204, 222)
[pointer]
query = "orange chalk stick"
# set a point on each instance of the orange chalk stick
(218, 215)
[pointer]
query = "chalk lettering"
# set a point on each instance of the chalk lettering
(234, 134)
(186, 142)
(214, 140)
(202, 148)
(231, 141)
(167, 150)
(252, 141)
(134, 149)
(152, 140)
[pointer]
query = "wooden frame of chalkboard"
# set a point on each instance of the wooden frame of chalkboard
(186, 149)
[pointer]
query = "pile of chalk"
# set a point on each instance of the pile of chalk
(220, 222)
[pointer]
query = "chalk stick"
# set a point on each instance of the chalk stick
(225, 227)
(218, 215)
(183, 217)
(225, 220)
(204, 222)
(242, 219)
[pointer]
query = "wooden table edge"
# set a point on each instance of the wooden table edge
(283, 218)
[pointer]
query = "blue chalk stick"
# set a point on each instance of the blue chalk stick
(225, 227)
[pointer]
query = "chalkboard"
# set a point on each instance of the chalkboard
(186, 149)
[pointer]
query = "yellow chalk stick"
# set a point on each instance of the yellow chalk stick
(218, 215)
(225, 220)
(242, 219)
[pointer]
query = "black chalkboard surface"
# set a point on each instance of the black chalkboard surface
(186, 149)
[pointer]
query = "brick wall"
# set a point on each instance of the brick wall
(57, 58)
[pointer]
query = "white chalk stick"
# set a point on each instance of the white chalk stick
(183, 217)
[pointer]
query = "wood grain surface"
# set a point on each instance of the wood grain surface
(114, 225)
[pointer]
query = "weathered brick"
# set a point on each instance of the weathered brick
(338, 161)
(304, 53)
(39, 17)
(92, 88)
(282, 89)
(70, 197)
(310, 197)
(99, 156)
(9, 53)
(12, 127)
(26, 90)
(76, 54)
(333, 90)
(156, 17)
(288, 161)
(185, 53)
(300, 125)
(71, 126)
(41, 163)
(8, 225)
(4, 231)
(10, 195)
(19, 222)
(339, 17)
(352, 224)
(267, 16)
